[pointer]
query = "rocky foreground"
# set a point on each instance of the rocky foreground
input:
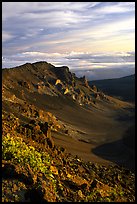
(35, 169)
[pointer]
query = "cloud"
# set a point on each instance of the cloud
(120, 7)
(75, 34)
(91, 57)
(92, 65)
(107, 73)
(6, 36)
(115, 57)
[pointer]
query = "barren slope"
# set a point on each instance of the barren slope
(89, 121)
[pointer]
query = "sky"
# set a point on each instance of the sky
(95, 39)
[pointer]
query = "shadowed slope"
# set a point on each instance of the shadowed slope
(123, 88)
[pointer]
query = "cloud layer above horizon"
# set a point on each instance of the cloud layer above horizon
(85, 36)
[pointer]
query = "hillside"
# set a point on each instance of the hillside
(123, 88)
(60, 123)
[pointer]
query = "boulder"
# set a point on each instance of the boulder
(50, 142)
(46, 129)
(24, 84)
(94, 88)
(97, 96)
(58, 81)
(66, 91)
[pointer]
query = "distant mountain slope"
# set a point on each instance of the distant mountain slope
(43, 79)
(123, 88)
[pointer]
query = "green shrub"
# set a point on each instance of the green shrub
(14, 149)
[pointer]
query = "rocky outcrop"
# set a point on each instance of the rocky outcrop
(85, 81)
(46, 79)
(94, 88)
(66, 91)
(97, 96)
(24, 84)
(58, 81)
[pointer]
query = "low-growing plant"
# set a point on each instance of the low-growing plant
(16, 150)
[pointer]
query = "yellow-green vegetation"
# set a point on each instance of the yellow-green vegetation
(60, 181)
(112, 195)
(16, 150)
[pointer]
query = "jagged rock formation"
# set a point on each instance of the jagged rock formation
(30, 90)
(46, 79)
